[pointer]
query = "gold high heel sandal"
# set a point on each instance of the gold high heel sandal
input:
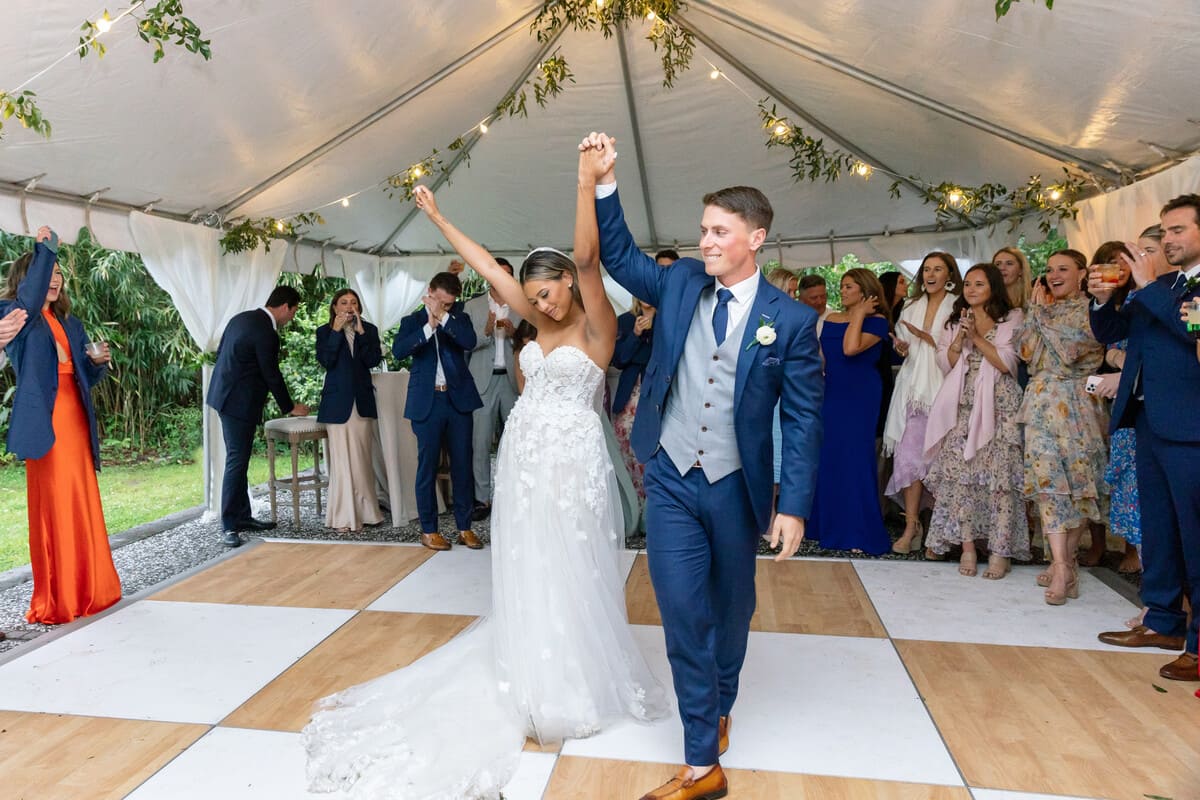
(1072, 588)
(914, 544)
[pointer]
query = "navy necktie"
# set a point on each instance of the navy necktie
(721, 315)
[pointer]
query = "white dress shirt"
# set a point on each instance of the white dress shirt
(440, 378)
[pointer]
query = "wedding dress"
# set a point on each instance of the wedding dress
(554, 659)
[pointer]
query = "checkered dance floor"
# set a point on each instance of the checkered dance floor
(864, 679)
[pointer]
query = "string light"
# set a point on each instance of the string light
(279, 225)
(649, 16)
(781, 130)
(104, 24)
(1055, 193)
(716, 73)
(599, 3)
(862, 169)
(345, 202)
(955, 197)
(483, 128)
(417, 171)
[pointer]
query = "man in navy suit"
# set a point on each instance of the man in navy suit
(247, 367)
(728, 347)
(1159, 384)
(441, 397)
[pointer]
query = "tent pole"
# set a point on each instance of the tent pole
(824, 59)
(465, 150)
(639, 153)
(377, 115)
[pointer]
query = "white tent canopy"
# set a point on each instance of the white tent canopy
(305, 102)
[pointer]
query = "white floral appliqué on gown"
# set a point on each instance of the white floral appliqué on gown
(555, 658)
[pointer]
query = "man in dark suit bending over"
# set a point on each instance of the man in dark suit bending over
(247, 366)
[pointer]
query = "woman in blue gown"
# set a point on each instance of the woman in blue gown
(846, 513)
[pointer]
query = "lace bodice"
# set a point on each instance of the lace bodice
(566, 376)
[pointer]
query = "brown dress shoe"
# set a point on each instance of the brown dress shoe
(469, 539)
(723, 725)
(709, 787)
(1141, 636)
(435, 541)
(1183, 668)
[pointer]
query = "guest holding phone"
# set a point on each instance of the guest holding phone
(348, 348)
(53, 428)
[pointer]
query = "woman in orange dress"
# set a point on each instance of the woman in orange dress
(53, 428)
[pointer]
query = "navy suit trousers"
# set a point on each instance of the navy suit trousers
(701, 541)
(1168, 476)
(444, 427)
(235, 494)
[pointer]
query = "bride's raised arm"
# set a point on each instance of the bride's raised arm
(475, 255)
(602, 320)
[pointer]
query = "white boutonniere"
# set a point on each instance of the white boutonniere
(765, 335)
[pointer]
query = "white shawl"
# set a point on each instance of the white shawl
(919, 379)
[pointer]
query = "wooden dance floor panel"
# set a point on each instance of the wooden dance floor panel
(863, 679)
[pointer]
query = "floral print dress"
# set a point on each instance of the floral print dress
(1066, 451)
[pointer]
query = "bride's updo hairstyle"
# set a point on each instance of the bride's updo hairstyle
(548, 264)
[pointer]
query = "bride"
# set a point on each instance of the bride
(555, 658)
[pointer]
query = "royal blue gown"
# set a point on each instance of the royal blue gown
(846, 513)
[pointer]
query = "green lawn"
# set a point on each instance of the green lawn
(131, 495)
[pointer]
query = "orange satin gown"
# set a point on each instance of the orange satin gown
(73, 572)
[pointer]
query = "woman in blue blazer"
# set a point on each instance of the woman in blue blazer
(348, 348)
(53, 428)
(635, 342)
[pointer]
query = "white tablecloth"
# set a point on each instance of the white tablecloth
(396, 453)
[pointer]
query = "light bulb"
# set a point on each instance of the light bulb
(599, 3)
(1056, 194)
(862, 169)
(716, 73)
(417, 172)
(781, 129)
(955, 197)
(345, 202)
(104, 24)
(649, 16)
(279, 226)
(483, 128)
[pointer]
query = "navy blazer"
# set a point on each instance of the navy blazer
(787, 371)
(347, 377)
(34, 359)
(631, 355)
(456, 338)
(1162, 351)
(247, 366)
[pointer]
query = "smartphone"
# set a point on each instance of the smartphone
(1093, 383)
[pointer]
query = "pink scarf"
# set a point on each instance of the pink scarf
(944, 413)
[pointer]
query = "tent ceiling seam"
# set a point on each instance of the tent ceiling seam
(639, 153)
(462, 154)
(378, 114)
(820, 58)
(794, 108)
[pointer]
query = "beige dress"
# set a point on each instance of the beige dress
(353, 501)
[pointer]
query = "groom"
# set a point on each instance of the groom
(728, 347)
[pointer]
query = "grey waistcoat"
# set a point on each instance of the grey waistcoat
(698, 421)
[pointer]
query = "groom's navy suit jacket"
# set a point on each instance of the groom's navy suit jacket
(787, 371)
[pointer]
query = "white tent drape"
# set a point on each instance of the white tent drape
(207, 289)
(1123, 214)
(389, 287)
(975, 246)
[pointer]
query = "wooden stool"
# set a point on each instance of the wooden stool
(295, 430)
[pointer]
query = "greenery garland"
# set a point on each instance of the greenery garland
(250, 233)
(1004, 6)
(163, 24)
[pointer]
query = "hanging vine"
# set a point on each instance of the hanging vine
(1004, 6)
(250, 233)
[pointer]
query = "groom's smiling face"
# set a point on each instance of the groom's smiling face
(728, 244)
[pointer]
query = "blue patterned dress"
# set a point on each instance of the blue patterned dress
(1124, 516)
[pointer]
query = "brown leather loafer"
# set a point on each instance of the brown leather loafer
(709, 787)
(435, 541)
(723, 726)
(469, 539)
(1141, 636)
(1183, 668)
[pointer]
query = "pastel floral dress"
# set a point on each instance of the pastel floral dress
(1066, 450)
(1124, 516)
